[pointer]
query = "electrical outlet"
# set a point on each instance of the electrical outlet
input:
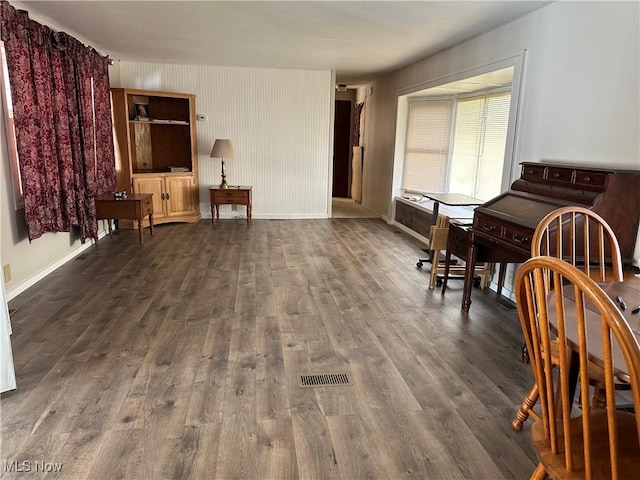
(234, 208)
(6, 270)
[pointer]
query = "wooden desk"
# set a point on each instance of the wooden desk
(506, 223)
(134, 207)
(234, 195)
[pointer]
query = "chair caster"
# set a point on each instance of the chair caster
(419, 264)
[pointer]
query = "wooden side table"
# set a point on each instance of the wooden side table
(234, 195)
(135, 207)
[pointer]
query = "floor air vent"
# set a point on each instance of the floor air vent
(323, 380)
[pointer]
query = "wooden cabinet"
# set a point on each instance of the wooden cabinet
(172, 195)
(156, 151)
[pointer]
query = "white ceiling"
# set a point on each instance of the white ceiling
(494, 79)
(357, 39)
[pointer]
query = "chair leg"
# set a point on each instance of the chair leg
(539, 473)
(523, 412)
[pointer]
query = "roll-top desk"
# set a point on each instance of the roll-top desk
(505, 224)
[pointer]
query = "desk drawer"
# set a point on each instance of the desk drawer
(488, 226)
(458, 241)
(232, 197)
(520, 238)
(558, 174)
(533, 172)
(589, 179)
(147, 206)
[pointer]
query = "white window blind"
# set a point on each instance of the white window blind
(493, 148)
(480, 135)
(479, 142)
(427, 145)
(466, 145)
(457, 144)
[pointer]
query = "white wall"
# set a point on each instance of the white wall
(278, 120)
(580, 91)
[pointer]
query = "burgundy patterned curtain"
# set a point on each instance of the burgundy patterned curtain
(62, 114)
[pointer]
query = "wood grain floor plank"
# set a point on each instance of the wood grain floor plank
(272, 396)
(179, 359)
(237, 448)
(121, 455)
(276, 452)
(356, 455)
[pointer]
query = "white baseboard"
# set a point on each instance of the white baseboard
(311, 216)
(18, 289)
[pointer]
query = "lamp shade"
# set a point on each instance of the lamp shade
(223, 148)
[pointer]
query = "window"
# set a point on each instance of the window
(456, 143)
(65, 148)
(10, 132)
(10, 129)
(427, 147)
(478, 145)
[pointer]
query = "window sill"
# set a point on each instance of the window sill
(426, 205)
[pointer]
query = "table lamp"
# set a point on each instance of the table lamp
(223, 148)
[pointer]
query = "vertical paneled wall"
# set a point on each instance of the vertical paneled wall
(278, 120)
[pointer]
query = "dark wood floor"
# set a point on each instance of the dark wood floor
(179, 359)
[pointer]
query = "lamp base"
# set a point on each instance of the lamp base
(223, 184)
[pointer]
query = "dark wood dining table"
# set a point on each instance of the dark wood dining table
(629, 291)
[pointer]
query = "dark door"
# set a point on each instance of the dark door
(341, 148)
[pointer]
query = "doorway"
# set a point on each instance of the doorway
(342, 149)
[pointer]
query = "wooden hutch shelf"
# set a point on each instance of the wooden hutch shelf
(156, 151)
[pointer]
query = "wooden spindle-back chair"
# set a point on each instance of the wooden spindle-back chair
(584, 239)
(587, 327)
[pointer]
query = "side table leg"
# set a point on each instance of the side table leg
(151, 223)
(248, 214)
(213, 214)
(140, 230)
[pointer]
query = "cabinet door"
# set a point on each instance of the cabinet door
(152, 184)
(181, 192)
